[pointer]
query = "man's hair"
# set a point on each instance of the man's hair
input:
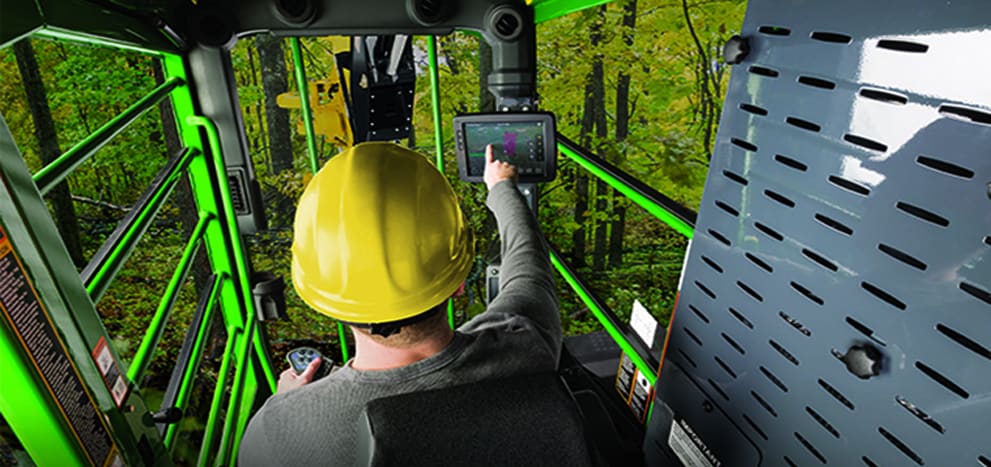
(414, 333)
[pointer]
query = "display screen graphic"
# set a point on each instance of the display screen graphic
(519, 143)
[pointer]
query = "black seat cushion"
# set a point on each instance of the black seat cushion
(519, 421)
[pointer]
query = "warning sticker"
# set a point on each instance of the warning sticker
(27, 316)
(689, 448)
(634, 387)
(624, 377)
(111, 372)
(639, 400)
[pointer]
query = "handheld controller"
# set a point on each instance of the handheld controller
(300, 357)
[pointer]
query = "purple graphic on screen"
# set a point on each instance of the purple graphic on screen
(509, 142)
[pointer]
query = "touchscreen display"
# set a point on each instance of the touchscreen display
(519, 143)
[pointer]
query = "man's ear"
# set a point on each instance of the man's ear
(460, 291)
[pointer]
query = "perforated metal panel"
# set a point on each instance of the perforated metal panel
(847, 204)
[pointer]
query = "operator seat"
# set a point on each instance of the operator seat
(528, 420)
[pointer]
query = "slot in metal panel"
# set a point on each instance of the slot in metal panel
(853, 157)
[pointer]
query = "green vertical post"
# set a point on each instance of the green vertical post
(304, 101)
(221, 239)
(218, 397)
(435, 102)
(227, 441)
(311, 144)
(237, 249)
(438, 129)
(228, 259)
(342, 337)
(189, 376)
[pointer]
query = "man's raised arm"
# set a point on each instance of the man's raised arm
(526, 286)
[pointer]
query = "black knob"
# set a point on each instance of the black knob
(863, 360)
(167, 415)
(736, 49)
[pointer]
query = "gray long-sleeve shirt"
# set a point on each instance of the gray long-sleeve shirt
(519, 333)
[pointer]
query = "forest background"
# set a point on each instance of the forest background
(639, 82)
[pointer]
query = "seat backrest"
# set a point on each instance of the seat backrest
(519, 421)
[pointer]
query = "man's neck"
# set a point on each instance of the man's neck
(371, 355)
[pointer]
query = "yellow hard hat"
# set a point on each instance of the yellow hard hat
(379, 236)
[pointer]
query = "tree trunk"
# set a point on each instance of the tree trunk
(617, 232)
(707, 109)
(593, 117)
(581, 205)
(275, 81)
(44, 132)
(623, 82)
(581, 182)
(602, 189)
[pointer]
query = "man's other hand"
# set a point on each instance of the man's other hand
(289, 380)
(496, 171)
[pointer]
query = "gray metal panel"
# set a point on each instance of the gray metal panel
(866, 221)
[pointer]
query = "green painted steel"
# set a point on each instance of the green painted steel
(600, 314)
(189, 376)
(208, 197)
(438, 129)
(53, 173)
(304, 101)
(655, 209)
(101, 280)
(245, 349)
(231, 431)
(435, 102)
(244, 311)
(545, 10)
(157, 325)
(342, 337)
(210, 430)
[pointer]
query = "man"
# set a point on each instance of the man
(381, 244)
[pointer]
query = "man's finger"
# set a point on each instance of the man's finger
(489, 156)
(311, 369)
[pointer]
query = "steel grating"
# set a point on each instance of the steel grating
(848, 203)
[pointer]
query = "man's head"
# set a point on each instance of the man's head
(431, 325)
(379, 238)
